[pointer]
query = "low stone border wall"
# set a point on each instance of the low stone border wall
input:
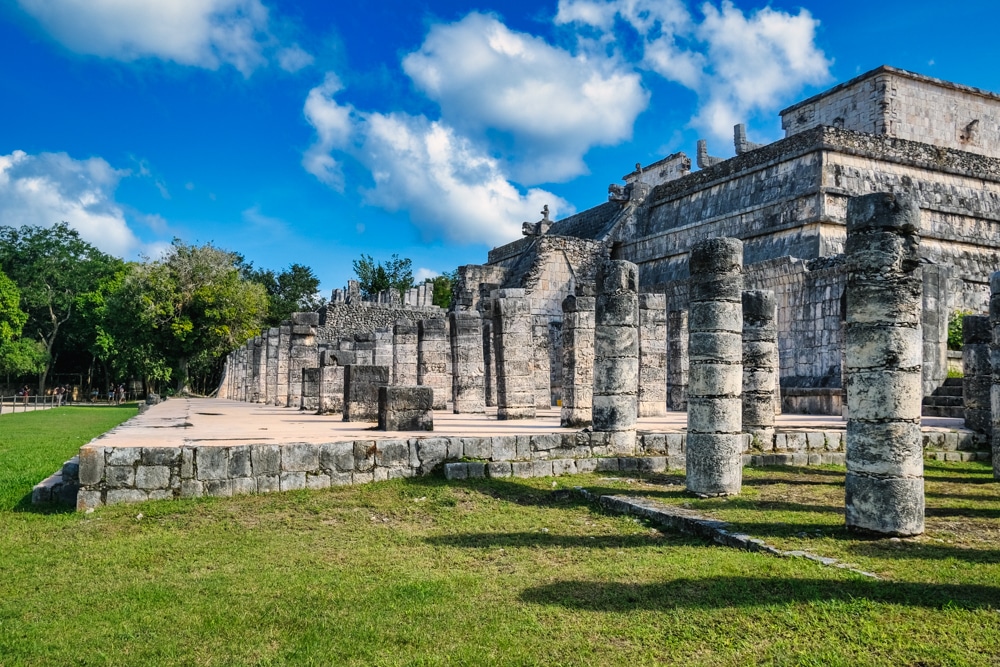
(109, 475)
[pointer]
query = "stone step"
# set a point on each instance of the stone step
(948, 391)
(935, 411)
(952, 382)
(944, 401)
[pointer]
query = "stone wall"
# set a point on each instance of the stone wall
(338, 320)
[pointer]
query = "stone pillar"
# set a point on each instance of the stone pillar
(241, 384)
(433, 354)
(995, 364)
(976, 372)
(466, 333)
(715, 334)
(303, 353)
(616, 354)
(260, 368)
(489, 364)
(404, 353)
(578, 361)
(310, 389)
(361, 384)
(284, 346)
(677, 360)
(652, 355)
(542, 365)
(884, 487)
(382, 355)
(364, 348)
(514, 354)
(934, 324)
(760, 363)
(271, 371)
(331, 382)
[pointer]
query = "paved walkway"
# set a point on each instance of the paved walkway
(207, 421)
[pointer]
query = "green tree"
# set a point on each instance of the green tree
(375, 277)
(294, 290)
(444, 288)
(192, 306)
(52, 267)
(18, 356)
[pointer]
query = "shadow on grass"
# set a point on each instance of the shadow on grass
(735, 591)
(967, 512)
(25, 506)
(895, 551)
(547, 540)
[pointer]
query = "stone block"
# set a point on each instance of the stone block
(476, 469)
(212, 462)
(265, 460)
(292, 481)
(122, 456)
(499, 469)
(431, 452)
(160, 456)
(563, 467)
(117, 496)
(504, 447)
(477, 448)
(152, 477)
(244, 486)
(91, 465)
(337, 456)
(192, 488)
(299, 457)
(117, 477)
(405, 408)
(364, 455)
(317, 481)
(88, 500)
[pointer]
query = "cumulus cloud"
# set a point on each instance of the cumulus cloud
(541, 107)
(49, 188)
(739, 64)
(449, 185)
(422, 275)
(201, 33)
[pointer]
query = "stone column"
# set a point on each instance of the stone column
(578, 361)
(616, 354)
(467, 392)
(404, 353)
(433, 352)
(995, 364)
(364, 348)
(284, 346)
(715, 334)
(383, 350)
(361, 385)
(311, 379)
(542, 364)
(884, 487)
(489, 365)
(260, 368)
(514, 354)
(241, 384)
(331, 382)
(652, 355)
(677, 360)
(977, 378)
(271, 371)
(760, 363)
(303, 353)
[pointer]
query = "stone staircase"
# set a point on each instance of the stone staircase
(946, 401)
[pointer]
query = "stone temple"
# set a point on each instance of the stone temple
(887, 130)
(816, 274)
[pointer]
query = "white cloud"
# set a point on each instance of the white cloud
(739, 64)
(449, 186)
(264, 224)
(422, 275)
(200, 33)
(49, 188)
(542, 107)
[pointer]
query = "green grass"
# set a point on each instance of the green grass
(423, 572)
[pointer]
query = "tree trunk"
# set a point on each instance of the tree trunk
(182, 376)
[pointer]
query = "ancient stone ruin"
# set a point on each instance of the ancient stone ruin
(769, 283)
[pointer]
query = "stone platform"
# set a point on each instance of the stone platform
(194, 447)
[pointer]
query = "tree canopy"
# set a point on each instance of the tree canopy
(373, 277)
(293, 290)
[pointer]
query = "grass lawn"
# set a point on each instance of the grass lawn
(423, 572)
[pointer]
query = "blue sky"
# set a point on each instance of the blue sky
(313, 132)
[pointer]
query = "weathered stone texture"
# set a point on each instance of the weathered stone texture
(433, 360)
(995, 372)
(361, 385)
(677, 360)
(404, 353)
(331, 384)
(467, 389)
(616, 354)
(652, 355)
(884, 487)
(578, 361)
(310, 389)
(977, 372)
(284, 346)
(760, 363)
(715, 444)
(514, 355)
(405, 408)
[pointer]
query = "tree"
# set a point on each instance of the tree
(194, 305)
(444, 288)
(52, 267)
(18, 356)
(396, 274)
(294, 290)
